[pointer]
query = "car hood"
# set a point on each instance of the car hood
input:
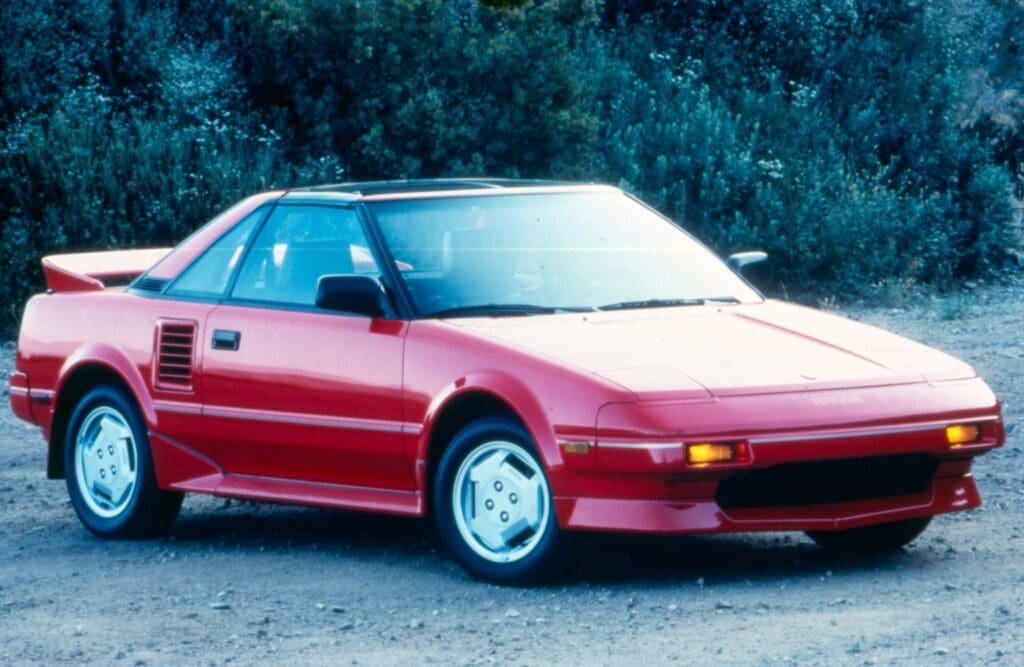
(714, 350)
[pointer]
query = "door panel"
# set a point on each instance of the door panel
(306, 396)
(296, 393)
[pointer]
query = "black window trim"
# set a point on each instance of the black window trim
(403, 288)
(264, 212)
(383, 258)
(226, 296)
(371, 239)
(390, 276)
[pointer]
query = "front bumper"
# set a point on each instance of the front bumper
(704, 515)
(632, 480)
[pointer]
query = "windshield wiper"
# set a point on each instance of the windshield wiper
(668, 303)
(506, 309)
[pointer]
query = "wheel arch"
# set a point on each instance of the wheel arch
(88, 367)
(472, 398)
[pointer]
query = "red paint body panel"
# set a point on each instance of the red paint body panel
(315, 397)
(332, 410)
(181, 468)
(703, 515)
(21, 403)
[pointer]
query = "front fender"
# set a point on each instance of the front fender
(509, 390)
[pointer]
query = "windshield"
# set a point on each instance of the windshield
(548, 252)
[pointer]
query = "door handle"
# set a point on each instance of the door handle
(225, 340)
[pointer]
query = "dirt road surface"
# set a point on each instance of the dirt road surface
(250, 583)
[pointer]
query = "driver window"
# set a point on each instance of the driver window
(297, 246)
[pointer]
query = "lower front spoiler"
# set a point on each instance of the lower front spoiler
(705, 516)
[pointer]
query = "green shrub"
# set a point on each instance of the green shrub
(406, 88)
(141, 162)
(868, 146)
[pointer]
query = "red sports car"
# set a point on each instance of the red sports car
(517, 359)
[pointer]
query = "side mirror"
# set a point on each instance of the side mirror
(738, 260)
(360, 295)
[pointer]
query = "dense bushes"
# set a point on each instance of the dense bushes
(837, 139)
(859, 142)
(119, 132)
(411, 87)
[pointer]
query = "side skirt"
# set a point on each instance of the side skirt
(180, 468)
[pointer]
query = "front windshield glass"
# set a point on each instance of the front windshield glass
(577, 250)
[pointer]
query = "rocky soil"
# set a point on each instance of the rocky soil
(250, 583)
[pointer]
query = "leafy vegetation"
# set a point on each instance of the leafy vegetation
(861, 143)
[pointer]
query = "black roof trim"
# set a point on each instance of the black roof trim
(427, 185)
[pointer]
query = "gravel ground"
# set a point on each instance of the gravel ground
(253, 583)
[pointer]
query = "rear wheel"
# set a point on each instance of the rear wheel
(493, 504)
(109, 469)
(880, 537)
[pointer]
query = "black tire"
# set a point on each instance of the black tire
(149, 510)
(878, 538)
(545, 547)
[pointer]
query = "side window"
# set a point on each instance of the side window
(208, 276)
(297, 246)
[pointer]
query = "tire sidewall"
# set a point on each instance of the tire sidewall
(537, 564)
(114, 398)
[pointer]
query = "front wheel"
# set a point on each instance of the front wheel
(493, 504)
(109, 469)
(880, 537)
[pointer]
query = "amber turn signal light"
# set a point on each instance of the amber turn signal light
(575, 447)
(706, 453)
(959, 434)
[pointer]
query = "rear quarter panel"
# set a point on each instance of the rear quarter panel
(115, 329)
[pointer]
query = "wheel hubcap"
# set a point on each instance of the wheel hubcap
(106, 461)
(501, 501)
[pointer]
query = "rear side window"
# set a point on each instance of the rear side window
(299, 245)
(208, 276)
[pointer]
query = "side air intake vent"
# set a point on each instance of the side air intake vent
(175, 343)
(149, 284)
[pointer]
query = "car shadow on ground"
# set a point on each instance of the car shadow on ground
(738, 558)
(269, 528)
(595, 559)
